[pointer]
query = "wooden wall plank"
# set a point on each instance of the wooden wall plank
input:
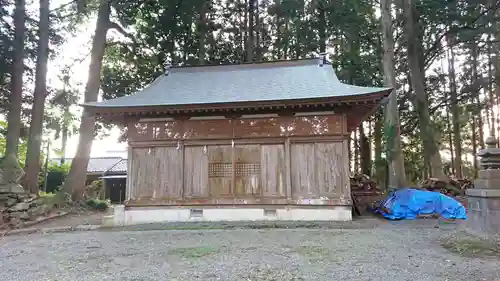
(273, 170)
(220, 181)
(195, 172)
(302, 169)
(143, 173)
(247, 170)
(346, 182)
(319, 169)
(288, 169)
(329, 168)
(168, 169)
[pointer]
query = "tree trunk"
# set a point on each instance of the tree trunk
(496, 80)
(279, 34)
(64, 143)
(286, 40)
(202, 32)
(455, 111)
(377, 143)
(32, 166)
(250, 41)
(365, 159)
(490, 88)
(356, 152)
(476, 89)
(474, 144)
(349, 153)
(75, 182)
(11, 170)
(258, 48)
(397, 177)
(16, 93)
(321, 27)
(450, 137)
(244, 29)
(429, 139)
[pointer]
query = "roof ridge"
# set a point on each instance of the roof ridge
(241, 63)
(112, 166)
(103, 157)
(244, 65)
(98, 157)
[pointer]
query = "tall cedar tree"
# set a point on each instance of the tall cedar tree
(10, 165)
(413, 37)
(32, 166)
(397, 178)
(75, 182)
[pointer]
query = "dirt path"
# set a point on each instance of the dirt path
(85, 218)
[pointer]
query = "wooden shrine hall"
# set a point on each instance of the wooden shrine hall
(246, 142)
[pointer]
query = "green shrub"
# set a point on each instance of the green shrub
(46, 194)
(99, 205)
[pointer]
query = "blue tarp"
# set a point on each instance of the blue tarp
(410, 203)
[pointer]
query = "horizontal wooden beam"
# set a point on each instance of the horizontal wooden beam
(272, 140)
(239, 202)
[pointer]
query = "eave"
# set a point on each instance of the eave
(365, 102)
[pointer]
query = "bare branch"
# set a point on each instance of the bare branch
(121, 30)
(456, 29)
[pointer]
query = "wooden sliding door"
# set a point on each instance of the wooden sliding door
(319, 170)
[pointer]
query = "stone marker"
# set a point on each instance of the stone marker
(484, 198)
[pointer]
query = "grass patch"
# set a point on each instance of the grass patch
(470, 246)
(246, 225)
(195, 252)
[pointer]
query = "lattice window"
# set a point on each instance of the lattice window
(220, 170)
(224, 170)
(246, 169)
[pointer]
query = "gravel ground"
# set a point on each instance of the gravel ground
(364, 250)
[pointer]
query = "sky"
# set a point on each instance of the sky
(76, 48)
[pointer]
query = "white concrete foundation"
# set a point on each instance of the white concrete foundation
(136, 216)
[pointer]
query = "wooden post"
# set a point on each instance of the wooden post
(128, 186)
(183, 160)
(288, 173)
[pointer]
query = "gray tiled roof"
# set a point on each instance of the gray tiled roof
(119, 167)
(96, 164)
(269, 81)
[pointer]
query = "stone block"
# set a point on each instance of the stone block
(38, 210)
(489, 174)
(20, 215)
(479, 183)
(487, 184)
(493, 205)
(483, 192)
(484, 215)
(10, 202)
(20, 207)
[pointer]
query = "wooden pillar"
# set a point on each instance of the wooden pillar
(346, 164)
(128, 191)
(183, 164)
(288, 173)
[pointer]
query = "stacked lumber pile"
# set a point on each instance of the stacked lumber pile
(363, 183)
(364, 191)
(452, 186)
